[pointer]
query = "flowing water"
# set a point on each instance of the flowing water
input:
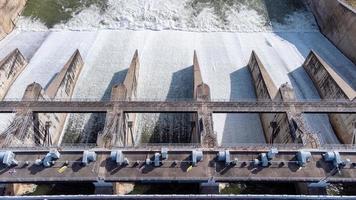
(191, 15)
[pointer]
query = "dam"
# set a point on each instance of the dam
(145, 79)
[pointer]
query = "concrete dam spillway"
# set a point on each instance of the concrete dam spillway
(182, 59)
(223, 58)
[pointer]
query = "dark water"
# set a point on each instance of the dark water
(64, 189)
(166, 188)
(191, 188)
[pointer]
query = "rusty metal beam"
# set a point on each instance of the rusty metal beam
(324, 106)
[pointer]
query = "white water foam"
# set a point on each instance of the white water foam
(175, 15)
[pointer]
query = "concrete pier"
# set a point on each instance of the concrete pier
(279, 128)
(119, 126)
(331, 86)
(204, 122)
(10, 68)
(274, 124)
(63, 84)
(46, 128)
(62, 87)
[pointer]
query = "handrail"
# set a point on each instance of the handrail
(95, 100)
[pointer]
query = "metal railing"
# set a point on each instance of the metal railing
(254, 146)
(316, 100)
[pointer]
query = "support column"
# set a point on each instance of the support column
(204, 121)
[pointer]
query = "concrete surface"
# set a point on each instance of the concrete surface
(337, 22)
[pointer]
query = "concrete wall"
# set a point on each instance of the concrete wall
(331, 86)
(10, 10)
(337, 21)
(10, 68)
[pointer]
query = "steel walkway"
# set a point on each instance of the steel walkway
(177, 167)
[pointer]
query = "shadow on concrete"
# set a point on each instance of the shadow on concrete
(299, 79)
(181, 86)
(326, 166)
(51, 80)
(186, 163)
(173, 127)
(292, 165)
(34, 169)
(242, 127)
(96, 121)
(254, 169)
(77, 165)
(4, 168)
(305, 42)
(222, 169)
(113, 168)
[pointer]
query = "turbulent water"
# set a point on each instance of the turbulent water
(187, 15)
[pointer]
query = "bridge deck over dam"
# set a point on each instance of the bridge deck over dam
(177, 167)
